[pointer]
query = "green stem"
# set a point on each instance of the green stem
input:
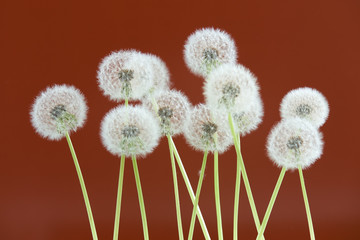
(307, 206)
(83, 187)
(126, 102)
(217, 195)
(176, 190)
(141, 198)
(271, 204)
(236, 138)
(190, 191)
(236, 200)
(197, 197)
(118, 200)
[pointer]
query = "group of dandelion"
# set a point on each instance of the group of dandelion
(232, 109)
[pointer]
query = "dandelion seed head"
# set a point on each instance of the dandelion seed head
(306, 103)
(125, 74)
(208, 48)
(57, 110)
(293, 142)
(173, 108)
(206, 130)
(161, 73)
(230, 87)
(128, 131)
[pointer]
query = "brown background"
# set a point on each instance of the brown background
(287, 44)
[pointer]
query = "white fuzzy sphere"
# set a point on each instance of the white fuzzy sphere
(230, 87)
(293, 142)
(128, 131)
(161, 73)
(306, 103)
(249, 120)
(208, 48)
(173, 108)
(202, 126)
(131, 65)
(49, 109)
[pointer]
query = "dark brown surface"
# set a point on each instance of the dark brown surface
(287, 44)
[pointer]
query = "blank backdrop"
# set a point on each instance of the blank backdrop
(286, 44)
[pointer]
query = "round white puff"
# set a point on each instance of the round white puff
(294, 142)
(206, 130)
(130, 130)
(306, 103)
(70, 100)
(231, 88)
(161, 73)
(130, 63)
(208, 48)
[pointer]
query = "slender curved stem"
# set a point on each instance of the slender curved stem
(307, 206)
(197, 197)
(83, 187)
(236, 200)
(217, 195)
(176, 190)
(141, 198)
(126, 102)
(236, 138)
(119, 195)
(190, 191)
(271, 204)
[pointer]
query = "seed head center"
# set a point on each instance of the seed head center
(126, 75)
(294, 143)
(303, 110)
(130, 131)
(58, 111)
(210, 54)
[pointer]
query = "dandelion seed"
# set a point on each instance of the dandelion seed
(230, 88)
(206, 130)
(208, 48)
(161, 73)
(128, 131)
(294, 142)
(125, 75)
(58, 110)
(306, 103)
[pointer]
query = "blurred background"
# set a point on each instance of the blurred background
(286, 44)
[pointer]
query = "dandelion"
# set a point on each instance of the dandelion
(58, 110)
(230, 86)
(306, 103)
(206, 130)
(208, 48)
(171, 109)
(294, 142)
(128, 131)
(125, 75)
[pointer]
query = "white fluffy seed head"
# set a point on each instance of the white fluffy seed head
(161, 73)
(206, 130)
(172, 110)
(128, 131)
(208, 48)
(230, 87)
(249, 120)
(125, 75)
(294, 142)
(306, 103)
(57, 110)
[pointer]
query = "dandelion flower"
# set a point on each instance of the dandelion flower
(249, 120)
(206, 130)
(294, 142)
(207, 48)
(58, 110)
(161, 73)
(125, 75)
(172, 110)
(230, 86)
(306, 103)
(128, 131)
